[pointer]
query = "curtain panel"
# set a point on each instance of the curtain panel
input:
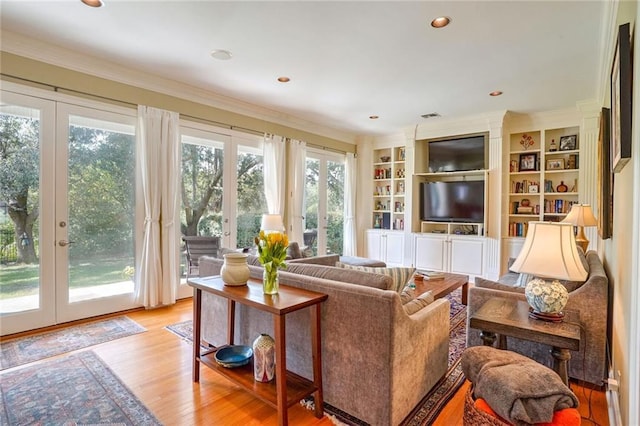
(274, 173)
(349, 245)
(158, 146)
(297, 166)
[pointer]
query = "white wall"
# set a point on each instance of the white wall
(622, 255)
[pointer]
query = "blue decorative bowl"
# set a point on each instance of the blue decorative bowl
(233, 355)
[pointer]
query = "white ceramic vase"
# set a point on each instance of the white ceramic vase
(235, 271)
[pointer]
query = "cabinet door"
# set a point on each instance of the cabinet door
(467, 256)
(374, 245)
(394, 249)
(430, 253)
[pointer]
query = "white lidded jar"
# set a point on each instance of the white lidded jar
(235, 271)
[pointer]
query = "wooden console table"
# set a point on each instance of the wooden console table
(289, 388)
(509, 317)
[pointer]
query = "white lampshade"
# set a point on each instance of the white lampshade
(272, 223)
(581, 215)
(550, 251)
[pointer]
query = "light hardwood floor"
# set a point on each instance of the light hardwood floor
(156, 366)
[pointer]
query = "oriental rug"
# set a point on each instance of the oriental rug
(432, 404)
(77, 389)
(24, 350)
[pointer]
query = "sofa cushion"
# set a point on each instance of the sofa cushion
(418, 303)
(378, 281)
(400, 275)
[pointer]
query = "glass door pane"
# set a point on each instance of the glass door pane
(202, 179)
(311, 196)
(19, 209)
(101, 208)
(26, 193)
(335, 207)
(251, 202)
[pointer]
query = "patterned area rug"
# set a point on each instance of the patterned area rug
(429, 408)
(78, 389)
(33, 348)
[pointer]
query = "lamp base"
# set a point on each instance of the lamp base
(557, 317)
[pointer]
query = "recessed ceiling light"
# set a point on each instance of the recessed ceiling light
(440, 22)
(374, 117)
(93, 3)
(221, 54)
(284, 79)
(495, 93)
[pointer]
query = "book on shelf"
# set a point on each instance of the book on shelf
(525, 210)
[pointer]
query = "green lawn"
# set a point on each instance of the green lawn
(22, 280)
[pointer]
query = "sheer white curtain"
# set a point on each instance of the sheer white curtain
(274, 173)
(158, 145)
(349, 244)
(297, 166)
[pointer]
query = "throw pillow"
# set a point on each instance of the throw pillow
(400, 275)
(408, 294)
(293, 251)
(523, 280)
(418, 303)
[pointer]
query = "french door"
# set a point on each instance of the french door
(67, 212)
(222, 186)
(324, 202)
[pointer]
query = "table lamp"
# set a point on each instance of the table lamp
(272, 223)
(581, 216)
(549, 251)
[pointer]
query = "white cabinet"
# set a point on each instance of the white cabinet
(387, 246)
(450, 253)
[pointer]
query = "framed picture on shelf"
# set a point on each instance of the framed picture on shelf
(555, 164)
(568, 143)
(528, 162)
(621, 75)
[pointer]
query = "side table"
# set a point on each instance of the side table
(510, 317)
(289, 388)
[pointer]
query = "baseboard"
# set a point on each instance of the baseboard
(613, 403)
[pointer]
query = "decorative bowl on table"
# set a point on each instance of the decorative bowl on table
(233, 355)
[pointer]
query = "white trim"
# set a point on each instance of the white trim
(67, 99)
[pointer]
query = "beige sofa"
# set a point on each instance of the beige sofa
(378, 361)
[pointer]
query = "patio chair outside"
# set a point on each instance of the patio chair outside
(197, 246)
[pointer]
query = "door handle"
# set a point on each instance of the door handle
(226, 234)
(63, 243)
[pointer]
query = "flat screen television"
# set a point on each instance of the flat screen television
(460, 201)
(456, 155)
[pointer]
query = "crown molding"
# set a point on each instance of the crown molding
(608, 40)
(38, 50)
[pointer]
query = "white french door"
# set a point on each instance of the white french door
(324, 202)
(222, 186)
(67, 212)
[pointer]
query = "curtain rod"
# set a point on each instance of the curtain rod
(59, 89)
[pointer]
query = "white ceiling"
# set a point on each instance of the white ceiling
(346, 60)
